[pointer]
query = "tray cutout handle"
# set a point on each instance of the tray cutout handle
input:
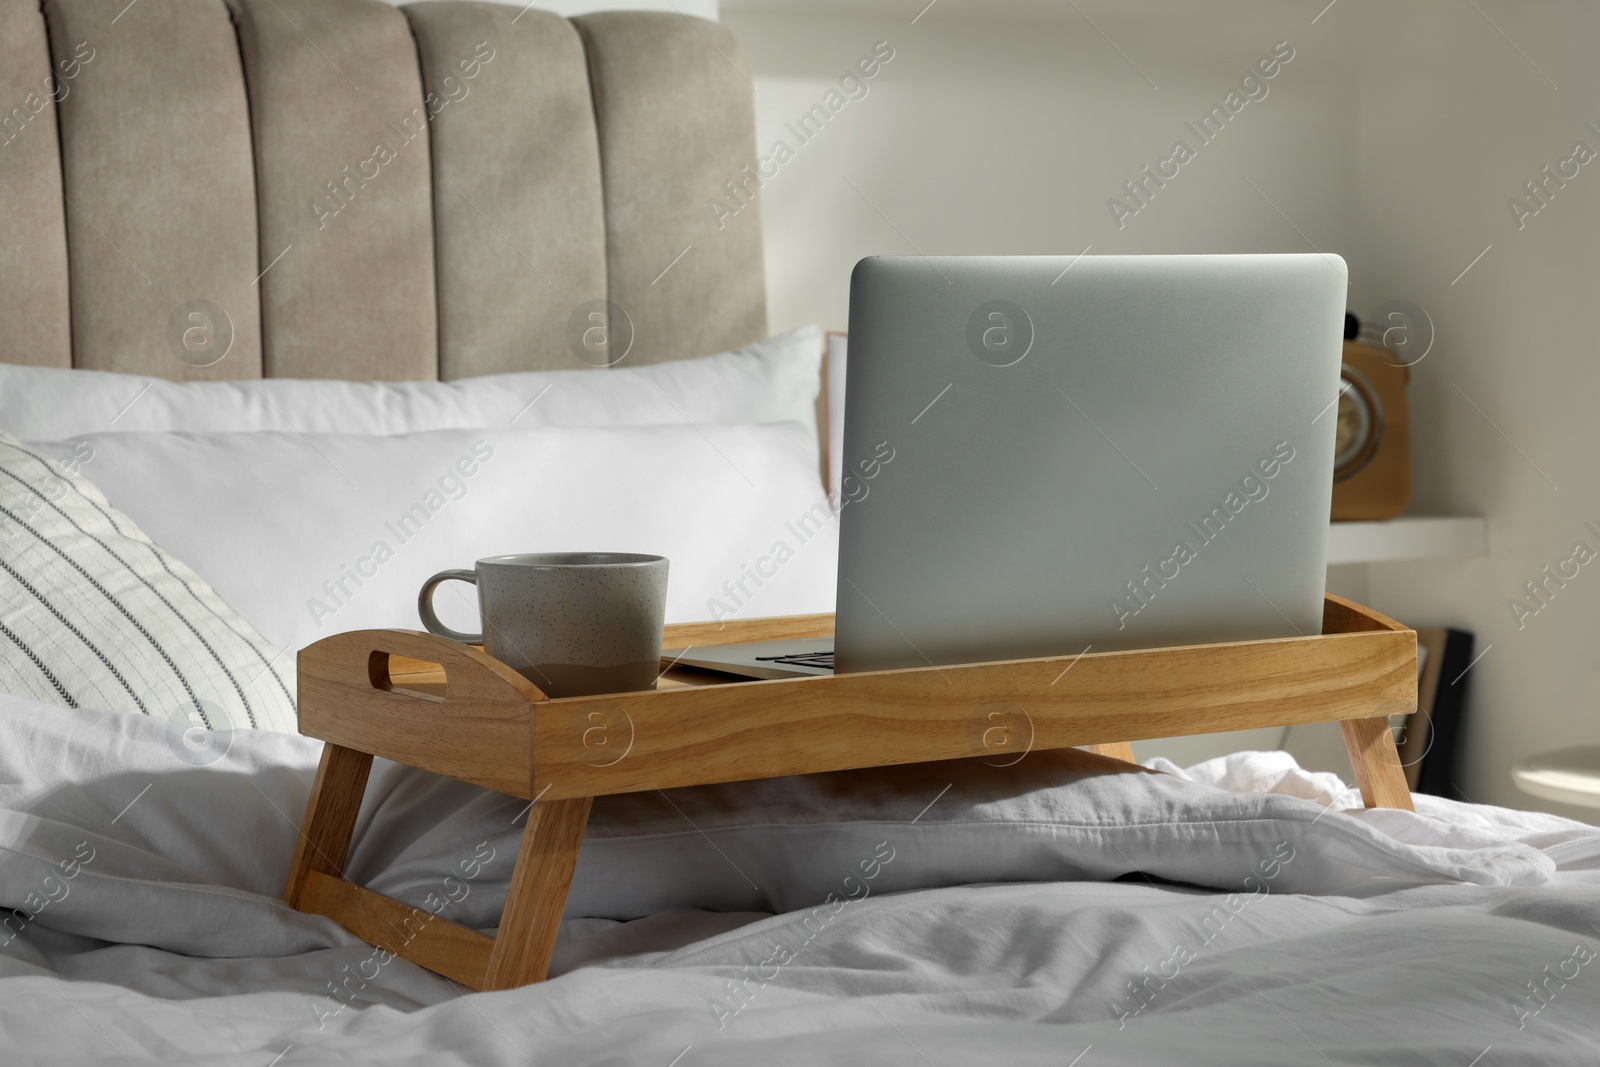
(417, 673)
(365, 659)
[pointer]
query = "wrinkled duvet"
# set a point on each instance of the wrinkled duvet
(1240, 912)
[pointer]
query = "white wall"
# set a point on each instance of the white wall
(1009, 135)
(1395, 138)
(1453, 121)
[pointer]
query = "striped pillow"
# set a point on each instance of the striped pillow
(94, 614)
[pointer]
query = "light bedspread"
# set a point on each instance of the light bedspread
(145, 870)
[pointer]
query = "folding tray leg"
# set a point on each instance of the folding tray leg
(538, 894)
(1121, 750)
(1377, 763)
(330, 818)
(519, 954)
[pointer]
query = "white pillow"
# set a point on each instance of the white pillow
(771, 381)
(94, 615)
(311, 534)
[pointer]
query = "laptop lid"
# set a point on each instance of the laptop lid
(1110, 452)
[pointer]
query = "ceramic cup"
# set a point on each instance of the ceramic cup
(572, 623)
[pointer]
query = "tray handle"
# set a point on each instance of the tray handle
(360, 659)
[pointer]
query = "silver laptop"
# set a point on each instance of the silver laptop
(1084, 454)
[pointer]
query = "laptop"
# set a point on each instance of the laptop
(1084, 454)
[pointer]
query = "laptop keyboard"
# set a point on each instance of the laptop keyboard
(820, 660)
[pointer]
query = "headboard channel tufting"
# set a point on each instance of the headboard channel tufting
(343, 189)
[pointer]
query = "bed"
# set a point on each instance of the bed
(279, 204)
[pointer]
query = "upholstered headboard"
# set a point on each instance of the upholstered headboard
(438, 190)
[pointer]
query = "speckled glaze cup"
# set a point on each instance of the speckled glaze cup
(572, 623)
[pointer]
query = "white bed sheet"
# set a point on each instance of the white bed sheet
(183, 956)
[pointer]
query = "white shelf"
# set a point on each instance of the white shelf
(1408, 537)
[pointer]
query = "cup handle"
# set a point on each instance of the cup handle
(431, 620)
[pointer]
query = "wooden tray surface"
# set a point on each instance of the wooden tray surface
(380, 691)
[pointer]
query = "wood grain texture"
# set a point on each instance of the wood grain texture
(410, 933)
(538, 893)
(1121, 750)
(1380, 487)
(1376, 763)
(747, 730)
(329, 820)
(1341, 616)
(733, 631)
(478, 731)
(423, 675)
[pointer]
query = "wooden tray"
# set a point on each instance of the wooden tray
(432, 703)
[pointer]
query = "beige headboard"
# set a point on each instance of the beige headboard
(368, 192)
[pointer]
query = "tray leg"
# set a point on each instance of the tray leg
(330, 818)
(1121, 750)
(1376, 763)
(538, 894)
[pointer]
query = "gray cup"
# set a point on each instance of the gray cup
(572, 623)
